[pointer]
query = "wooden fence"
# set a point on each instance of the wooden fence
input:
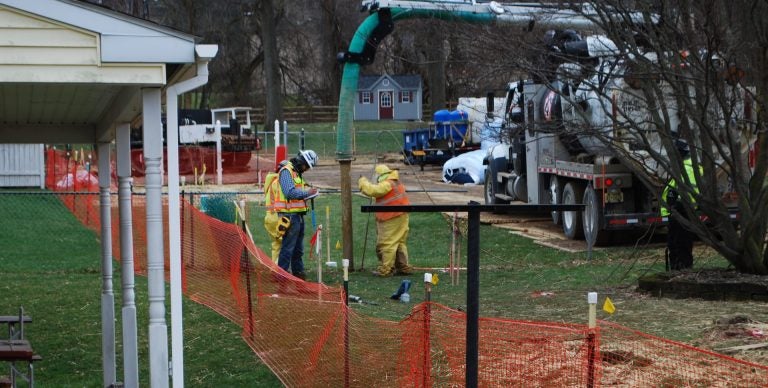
(324, 113)
(302, 114)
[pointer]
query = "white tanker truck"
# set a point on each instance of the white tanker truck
(563, 138)
(581, 132)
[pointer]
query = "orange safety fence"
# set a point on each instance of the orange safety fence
(308, 337)
(77, 169)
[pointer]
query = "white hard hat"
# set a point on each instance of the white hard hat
(309, 157)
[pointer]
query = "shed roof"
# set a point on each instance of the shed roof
(406, 81)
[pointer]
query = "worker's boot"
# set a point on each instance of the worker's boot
(383, 272)
(301, 275)
(401, 263)
(404, 271)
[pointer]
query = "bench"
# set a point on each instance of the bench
(12, 321)
(17, 349)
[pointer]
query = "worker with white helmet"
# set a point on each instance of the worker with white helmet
(391, 227)
(290, 203)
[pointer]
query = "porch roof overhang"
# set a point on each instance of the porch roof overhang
(70, 70)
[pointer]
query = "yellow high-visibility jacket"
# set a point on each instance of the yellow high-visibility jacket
(688, 165)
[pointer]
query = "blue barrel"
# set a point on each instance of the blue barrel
(459, 120)
(441, 119)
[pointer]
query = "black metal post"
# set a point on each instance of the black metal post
(473, 210)
(247, 260)
(473, 295)
(301, 140)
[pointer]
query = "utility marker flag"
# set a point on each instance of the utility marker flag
(608, 306)
(315, 242)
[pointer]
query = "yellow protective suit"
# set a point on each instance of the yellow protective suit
(271, 220)
(392, 233)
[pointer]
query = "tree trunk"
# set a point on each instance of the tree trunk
(274, 108)
(332, 44)
(436, 71)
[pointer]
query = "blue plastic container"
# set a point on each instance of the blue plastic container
(459, 120)
(442, 120)
(415, 139)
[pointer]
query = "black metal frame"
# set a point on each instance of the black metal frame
(473, 259)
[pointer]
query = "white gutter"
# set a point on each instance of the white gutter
(204, 54)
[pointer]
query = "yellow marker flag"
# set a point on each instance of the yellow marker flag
(338, 245)
(608, 306)
(435, 280)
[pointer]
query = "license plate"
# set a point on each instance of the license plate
(614, 197)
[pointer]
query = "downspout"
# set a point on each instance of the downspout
(204, 54)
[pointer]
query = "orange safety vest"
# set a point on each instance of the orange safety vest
(396, 196)
(283, 205)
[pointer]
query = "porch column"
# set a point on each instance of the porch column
(130, 332)
(153, 157)
(107, 293)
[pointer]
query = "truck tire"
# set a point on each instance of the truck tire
(556, 198)
(573, 227)
(592, 215)
(489, 190)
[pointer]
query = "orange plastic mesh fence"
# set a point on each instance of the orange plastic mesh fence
(77, 169)
(308, 337)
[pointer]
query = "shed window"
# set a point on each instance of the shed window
(406, 96)
(365, 97)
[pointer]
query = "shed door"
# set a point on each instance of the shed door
(385, 105)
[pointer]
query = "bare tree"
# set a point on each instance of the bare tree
(274, 103)
(680, 70)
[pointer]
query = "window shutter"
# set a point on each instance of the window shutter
(400, 96)
(360, 97)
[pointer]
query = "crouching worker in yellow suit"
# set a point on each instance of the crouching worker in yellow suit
(273, 223)
(391, 227)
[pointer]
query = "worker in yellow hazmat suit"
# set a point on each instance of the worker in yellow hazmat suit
(391, 227)
(272, 223)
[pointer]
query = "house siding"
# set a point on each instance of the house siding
(367, 111)
(31, 41)
(40, 50)
(22, 165)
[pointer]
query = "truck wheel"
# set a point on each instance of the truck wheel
(593, 219)
(490, 188)
(591, 216)
(573, 227)
(556, 198)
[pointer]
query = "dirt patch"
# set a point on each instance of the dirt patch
(738, 336)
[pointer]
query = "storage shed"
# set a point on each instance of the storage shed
(388, 97)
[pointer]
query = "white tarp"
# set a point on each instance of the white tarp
(468, 168)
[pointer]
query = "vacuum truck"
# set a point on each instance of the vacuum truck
(564, 136)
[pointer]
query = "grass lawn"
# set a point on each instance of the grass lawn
(370, 137)
(50, 265)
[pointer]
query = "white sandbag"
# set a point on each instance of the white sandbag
(466, 168)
